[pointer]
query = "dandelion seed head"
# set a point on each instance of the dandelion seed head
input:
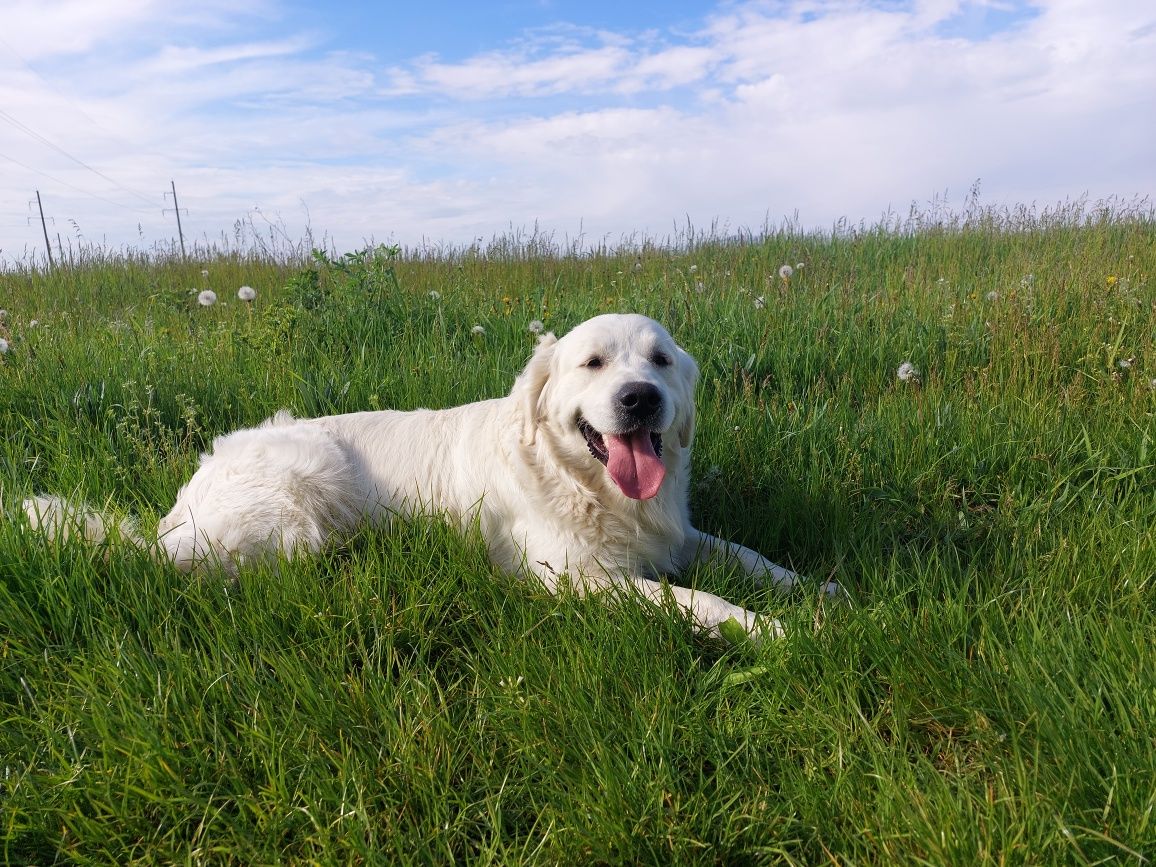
(692, 269)
(536, 327)
(477, 329)
(907, 372)
(992, 296)
(786, 272)
(1126, 363)
(247, 293)
(33, 323)
(4, 347)
(799, 266)
(207, 298)
(435, 295)
(205, 272)
(700, 287)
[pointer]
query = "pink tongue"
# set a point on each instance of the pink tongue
(633, 464)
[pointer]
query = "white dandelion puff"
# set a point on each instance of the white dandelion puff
(799, 266)
(207, 298)
(435, 295)
(4, 346)
(692, 269)
(786, 272)
(205, 272)
(33, 323)
(247, 293)
(992, 296)
(1126, 363)
(477, 329)
(699, 287)
(760, 303)
(907, 372)
(536, 327)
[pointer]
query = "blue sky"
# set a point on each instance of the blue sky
(444, 122)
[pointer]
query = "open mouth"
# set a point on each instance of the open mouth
(633, 460)
(596, 443)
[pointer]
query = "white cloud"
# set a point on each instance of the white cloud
(830, 109)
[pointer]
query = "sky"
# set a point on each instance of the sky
(448, 121)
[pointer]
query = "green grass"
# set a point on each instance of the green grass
(988, 696)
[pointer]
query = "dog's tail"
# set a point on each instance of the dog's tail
(66, 519)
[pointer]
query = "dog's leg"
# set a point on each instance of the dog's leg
(701, 547)
(707, 610)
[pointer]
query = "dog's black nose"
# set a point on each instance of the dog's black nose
(638, 400)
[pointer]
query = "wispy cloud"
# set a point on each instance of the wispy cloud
(824, 108)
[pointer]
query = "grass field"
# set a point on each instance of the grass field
(988, 695)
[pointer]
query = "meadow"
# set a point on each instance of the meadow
(985, 694)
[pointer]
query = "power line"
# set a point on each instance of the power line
(74, 187)
(34, 134)
(66, 97)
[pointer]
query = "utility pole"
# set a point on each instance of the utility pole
(44, 226)
(177, 210)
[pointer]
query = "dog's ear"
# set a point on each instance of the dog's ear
(688, 372)
(531, 383)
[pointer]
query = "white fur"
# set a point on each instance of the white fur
(517, 465)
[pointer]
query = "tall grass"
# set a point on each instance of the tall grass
(988, 695)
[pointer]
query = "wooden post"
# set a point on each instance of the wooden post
(177, 210)
(47, 246)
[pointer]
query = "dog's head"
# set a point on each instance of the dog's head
(616, 391)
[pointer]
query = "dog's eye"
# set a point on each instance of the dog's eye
(594, 362)
(660, 359)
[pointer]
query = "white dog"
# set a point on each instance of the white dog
(581, 471)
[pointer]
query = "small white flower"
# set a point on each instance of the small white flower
(907, 372)
(207, 298)
(435, 295)
(3, 346)
(786, 272)
(536, 327)
(33, 323)
(992, 296)
(247, 293)
(760, 303)
(1126, 363)
(692, 268)
(477, 329)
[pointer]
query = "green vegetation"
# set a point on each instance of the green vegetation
(989, 695)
